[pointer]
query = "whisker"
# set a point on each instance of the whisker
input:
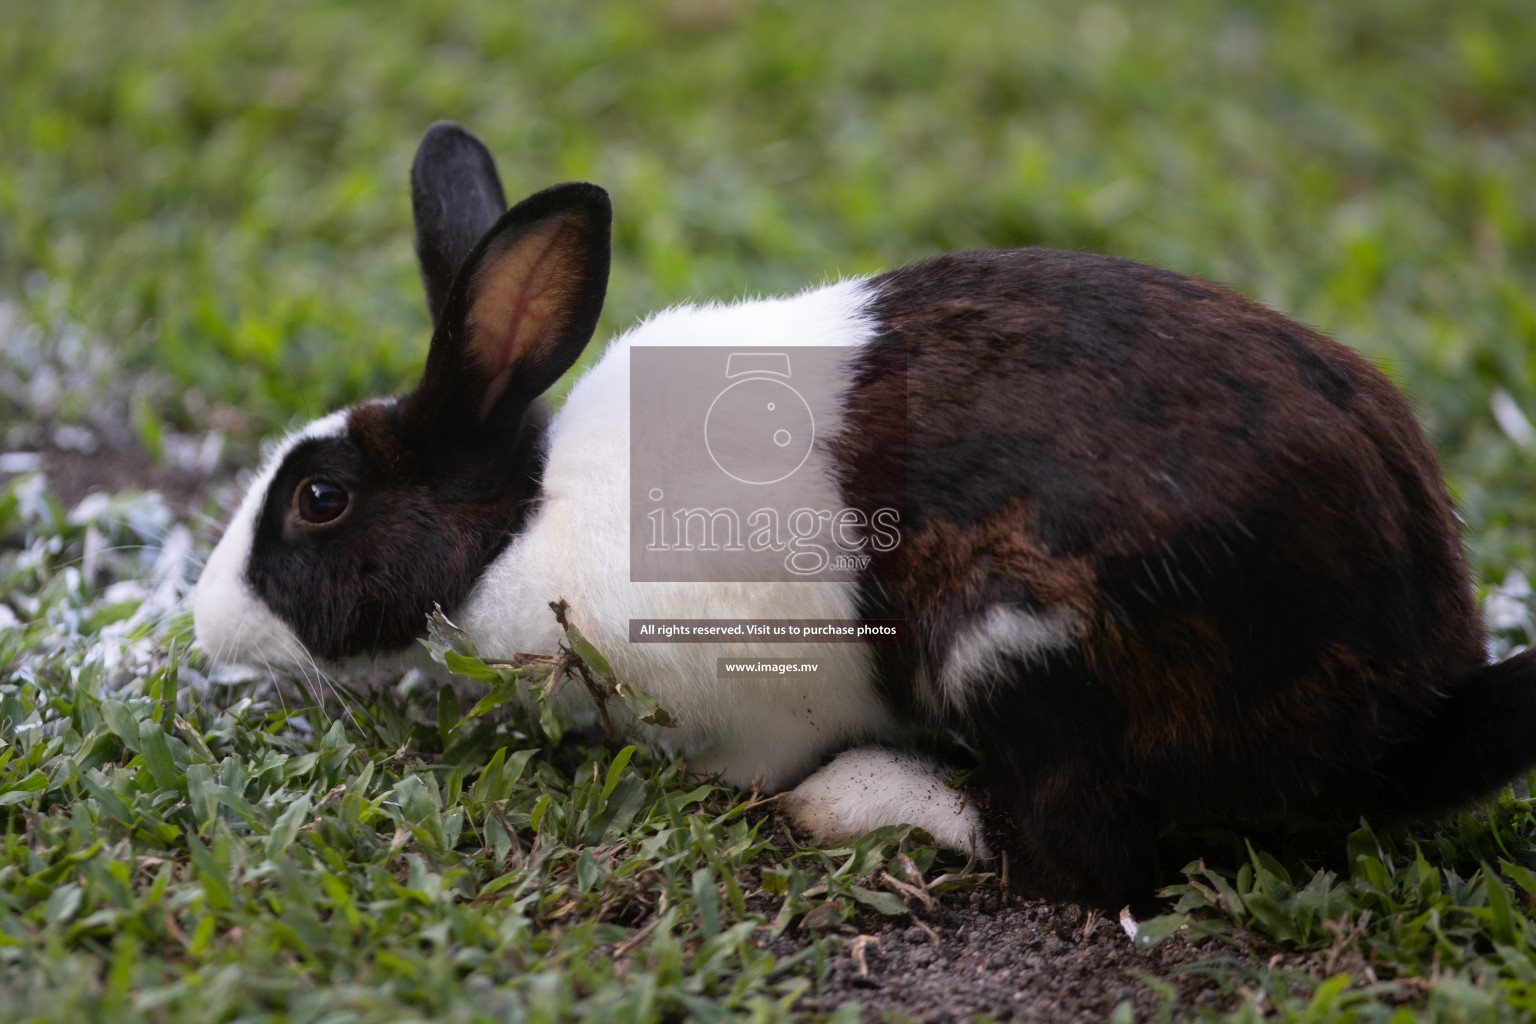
(347, 707)
(272, 680)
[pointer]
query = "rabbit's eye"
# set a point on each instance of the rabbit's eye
(321, 501)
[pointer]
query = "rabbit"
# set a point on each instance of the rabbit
(1160, 551)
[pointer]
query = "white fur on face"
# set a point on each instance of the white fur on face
(870, 787)
(231, 622)
(768, 731)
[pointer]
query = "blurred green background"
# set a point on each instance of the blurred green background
(219, 190)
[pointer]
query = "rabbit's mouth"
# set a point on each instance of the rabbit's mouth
(233, 625)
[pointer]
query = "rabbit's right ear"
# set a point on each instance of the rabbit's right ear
(456, 197)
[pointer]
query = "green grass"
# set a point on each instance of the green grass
(233, 175)
(177, 850)
(181, 844)
(204, 221)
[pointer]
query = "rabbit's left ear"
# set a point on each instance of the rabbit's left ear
(517, 314)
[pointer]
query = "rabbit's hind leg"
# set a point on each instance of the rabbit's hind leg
(868, 787)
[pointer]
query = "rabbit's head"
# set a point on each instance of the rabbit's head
(362, 521)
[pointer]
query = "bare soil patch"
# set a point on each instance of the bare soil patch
(74, 474)
(1011, 959)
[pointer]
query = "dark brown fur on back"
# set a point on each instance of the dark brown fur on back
(1244, 517)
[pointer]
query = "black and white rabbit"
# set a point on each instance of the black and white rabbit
(1164, 551)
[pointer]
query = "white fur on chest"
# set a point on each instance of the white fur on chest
(577, 548)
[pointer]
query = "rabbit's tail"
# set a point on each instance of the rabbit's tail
(1480, 738)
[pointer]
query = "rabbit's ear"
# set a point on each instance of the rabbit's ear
(519, 312)
(455, 198)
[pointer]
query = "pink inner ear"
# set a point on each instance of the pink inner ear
(520, 297)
